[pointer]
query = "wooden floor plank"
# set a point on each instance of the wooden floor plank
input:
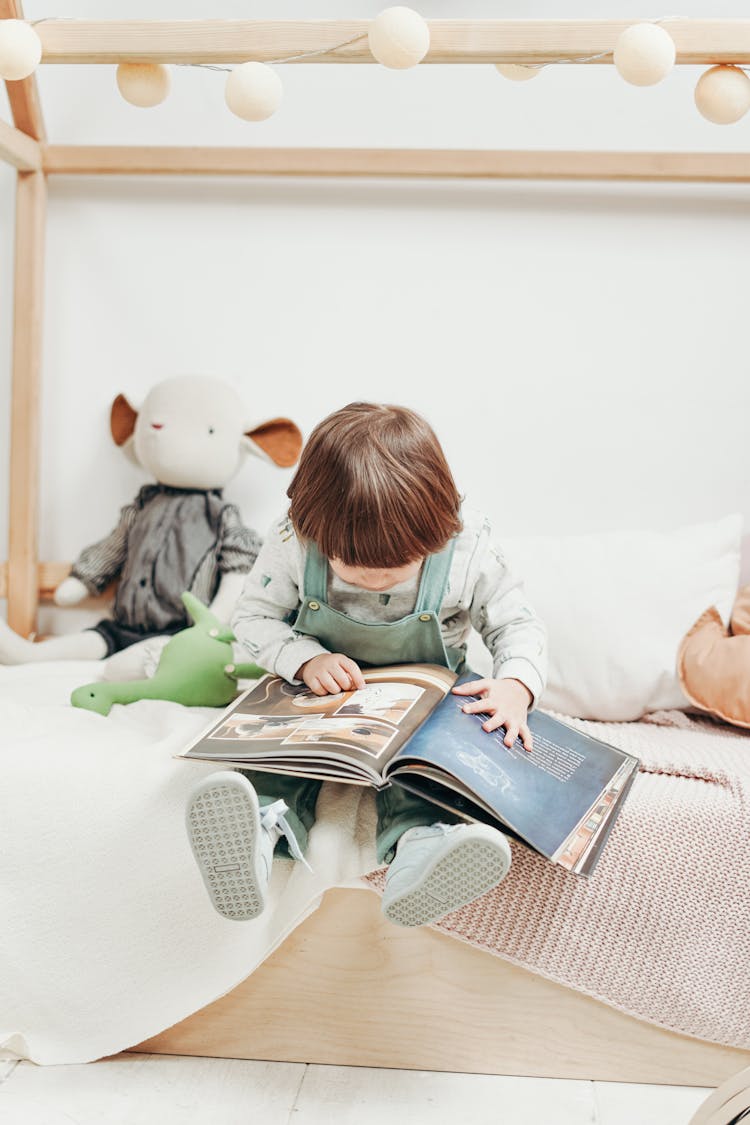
(147, 1089)
(370, 1097)
(624, 1103)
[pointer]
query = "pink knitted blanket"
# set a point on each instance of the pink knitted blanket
(661, 930)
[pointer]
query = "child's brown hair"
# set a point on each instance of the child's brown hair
(373, 488)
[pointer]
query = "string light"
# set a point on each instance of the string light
(722, 94)
(143, 84)
(20, 50)
(517, 72)
(253, 91)
(644, 54)
(398, 38)
(640, 56)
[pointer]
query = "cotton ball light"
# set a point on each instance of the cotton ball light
(399, 38)
(143, 84)
(722, 94)
(20, 49)
(517, 73)
(253, 91)
(644, 54)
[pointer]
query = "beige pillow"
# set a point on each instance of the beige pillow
(713, 664)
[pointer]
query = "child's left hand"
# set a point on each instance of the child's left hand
(507, 701)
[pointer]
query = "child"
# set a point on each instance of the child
(377, 563)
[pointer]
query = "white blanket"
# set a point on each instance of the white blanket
(107, 935)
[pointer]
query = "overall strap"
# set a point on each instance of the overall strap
(433, 585)
(316, 574)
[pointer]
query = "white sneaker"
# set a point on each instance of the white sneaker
(440, 867)
(233, 850)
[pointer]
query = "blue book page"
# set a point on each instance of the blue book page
(541, 794)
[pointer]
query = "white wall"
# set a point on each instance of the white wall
(581, 350)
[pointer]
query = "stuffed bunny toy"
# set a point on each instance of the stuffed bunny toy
(192, 434)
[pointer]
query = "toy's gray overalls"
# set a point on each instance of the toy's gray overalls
(414, 639)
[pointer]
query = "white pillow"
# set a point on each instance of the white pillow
(616, 605)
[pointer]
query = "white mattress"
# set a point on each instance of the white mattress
(108, 935)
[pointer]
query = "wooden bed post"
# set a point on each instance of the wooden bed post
(23, 582)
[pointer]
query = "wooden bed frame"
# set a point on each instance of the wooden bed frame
(346, 987)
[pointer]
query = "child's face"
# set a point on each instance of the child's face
(370, 578)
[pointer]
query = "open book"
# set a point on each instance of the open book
(406, 728)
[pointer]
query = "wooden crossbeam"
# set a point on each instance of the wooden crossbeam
(695, 167)
(451, 41)
(18, 149)
(23, 96)
(49, 577)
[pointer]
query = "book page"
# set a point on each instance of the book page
(278, 725)
(546, 796)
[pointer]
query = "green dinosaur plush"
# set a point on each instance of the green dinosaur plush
(196, 668)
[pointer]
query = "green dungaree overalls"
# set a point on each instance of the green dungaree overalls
(414, 639)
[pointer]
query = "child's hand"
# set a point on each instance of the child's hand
(330, 673)
(507, 702)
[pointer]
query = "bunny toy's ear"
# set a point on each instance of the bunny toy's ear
(279, 441)
(122, 420)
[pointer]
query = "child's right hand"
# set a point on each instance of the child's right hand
(330, 673)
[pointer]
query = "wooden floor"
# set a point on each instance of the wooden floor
(132, 1089)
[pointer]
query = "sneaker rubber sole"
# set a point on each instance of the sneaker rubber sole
(223, 826)
(459, 873)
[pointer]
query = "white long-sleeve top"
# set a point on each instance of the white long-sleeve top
(482, 592)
